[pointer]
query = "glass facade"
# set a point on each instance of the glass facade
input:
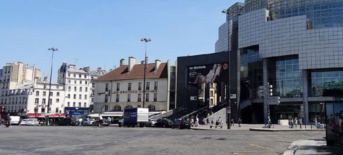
(251, 73)
(325, 80)
(288, 78)
(321, 13)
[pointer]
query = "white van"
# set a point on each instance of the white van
(15, 120)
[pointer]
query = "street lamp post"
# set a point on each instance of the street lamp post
(49, 95)
(145, 40)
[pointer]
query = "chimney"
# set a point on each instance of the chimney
(122, 62)
(132, 62)
(142, 62)
(157, 64)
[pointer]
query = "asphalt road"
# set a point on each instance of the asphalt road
(20, 140)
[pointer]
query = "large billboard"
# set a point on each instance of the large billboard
(206, 83)
(206, 74)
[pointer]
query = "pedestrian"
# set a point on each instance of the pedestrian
(269, 122)
(239, 122)
(109, 119)
(291, 123)
(300, 123)
(80, 121)
(232, 122)
(211, 125)
(295, 122)
(100, 121)
(196, 121)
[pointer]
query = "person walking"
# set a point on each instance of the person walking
(239, 122)
(232, 122)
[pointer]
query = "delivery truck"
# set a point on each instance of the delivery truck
(135, 117)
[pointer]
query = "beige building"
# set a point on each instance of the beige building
(123, 87)
(17, 74)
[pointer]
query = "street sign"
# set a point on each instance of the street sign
(274, 100)
(233, 96)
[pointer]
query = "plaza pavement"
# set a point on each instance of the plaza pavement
(19, 140)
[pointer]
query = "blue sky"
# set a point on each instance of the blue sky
(98, 33)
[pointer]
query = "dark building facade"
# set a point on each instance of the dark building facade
(202, 81)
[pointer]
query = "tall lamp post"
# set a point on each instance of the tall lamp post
(53, 50)
(145, 40)
(228, 95)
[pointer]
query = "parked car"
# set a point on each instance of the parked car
(15, 120)
(181, 123)
(30, 122)
(164, 123)
(152, 123)
(88, 122)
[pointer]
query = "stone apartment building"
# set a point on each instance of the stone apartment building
(123, 87)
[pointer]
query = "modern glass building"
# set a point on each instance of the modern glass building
(285, 55)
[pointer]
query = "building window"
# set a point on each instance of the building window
(155, 85)
(43, 101)
(74, 75)
(79, 104)
(128, 97)
(128, 107)
(155, 97)
(68, 104)
(57, 100)
(80, 81)
(117, 108)
(80, 96)
(68, 96)
(86, 89)
(288, 78)
(44, 93)
(139, 85)
(56, 110)
(85, 76)
(74, 104)
(74, 96)
(43, 110)
(106, 107)
(37, 93)
(75, 81)
(106, 87)
(129, 86)
(79, 75)
(139, 99)
(80, 89)
(106, 98)
(75, 89)
(58, 93)
(51, 93)
(152, 108)
(85, 97)
(36, 100)
(85, 104)
(117, 97)
(118, 86)
(147, 87)
(324, 82)
(69, 81)
(147, 97)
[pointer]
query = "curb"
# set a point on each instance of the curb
(283, 130)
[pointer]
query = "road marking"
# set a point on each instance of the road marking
(262, 147)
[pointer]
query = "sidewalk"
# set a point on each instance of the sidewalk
(258, 127)
(312, 147)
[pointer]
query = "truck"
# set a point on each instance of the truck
(135, 117)
(15, 120)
